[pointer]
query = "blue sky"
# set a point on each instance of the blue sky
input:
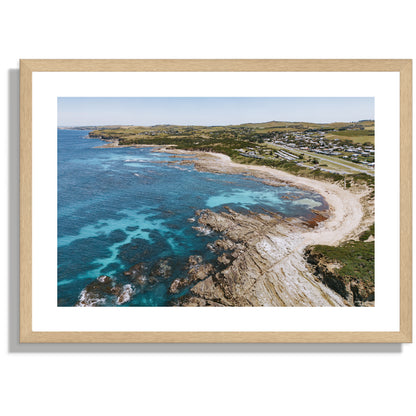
(147, 111)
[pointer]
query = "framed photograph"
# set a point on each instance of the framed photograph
(215, 201)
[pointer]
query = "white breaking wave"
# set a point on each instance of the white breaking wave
(125, 295)
(86, 301)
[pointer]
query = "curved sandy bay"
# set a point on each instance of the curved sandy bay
(284, 278)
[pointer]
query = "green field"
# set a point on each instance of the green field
(357, 136)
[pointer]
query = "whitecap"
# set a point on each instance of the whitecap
(85, 300)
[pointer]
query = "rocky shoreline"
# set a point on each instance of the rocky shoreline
(259, 264)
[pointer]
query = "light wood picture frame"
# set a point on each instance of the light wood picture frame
(31, 66)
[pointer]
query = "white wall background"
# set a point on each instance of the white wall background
(222, 379)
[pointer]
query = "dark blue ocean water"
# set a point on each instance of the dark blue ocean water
(121, 206)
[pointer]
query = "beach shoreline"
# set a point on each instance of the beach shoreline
(349, 213)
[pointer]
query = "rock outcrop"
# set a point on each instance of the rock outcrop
(137, 274)
(196, 270)
(162, 268)
(103, 291)
(259, 263)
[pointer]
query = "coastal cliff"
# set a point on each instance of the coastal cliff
(352, 277)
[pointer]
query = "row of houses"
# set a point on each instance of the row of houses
(317, 143)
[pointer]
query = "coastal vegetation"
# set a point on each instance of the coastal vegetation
(347, 268)
(355, 257)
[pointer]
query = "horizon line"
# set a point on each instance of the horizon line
(213, 125)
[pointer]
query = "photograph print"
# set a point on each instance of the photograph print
(216, 201)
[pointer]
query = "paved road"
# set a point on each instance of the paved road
(318, 156)
(368, 172)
